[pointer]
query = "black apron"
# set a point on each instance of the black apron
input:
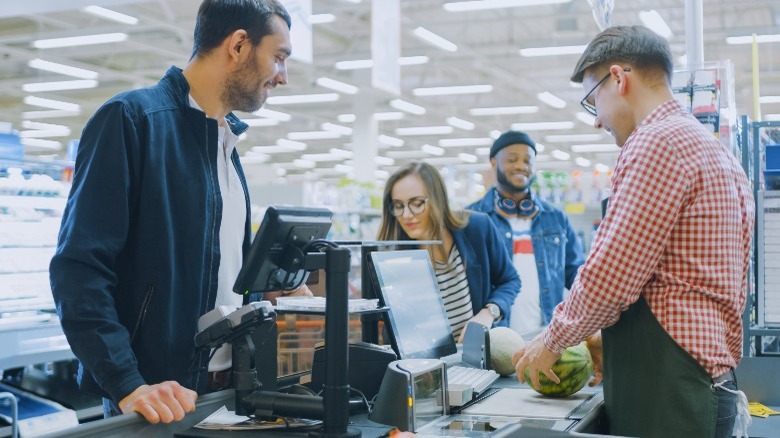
(652, 387)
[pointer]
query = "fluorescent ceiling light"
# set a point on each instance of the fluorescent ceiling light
(273, 149)
(585, 118)
(425, 130)
(48, 114)
(584, 162)
(572, 138)
(51, 103)
(313, 135)
(321, 18)
(337, 85)
(80, 40)
(432, 150)
(389, 115)
(254, 159)
(496, 4)
(504, 110)
(552, 51)
(304, 164)
(406, 154)
(772, 117)
(542, 126)
(551, 99)
(40, 133)
(292, 144)
(29, 124)
(595, 147)
(413, 60)
(477, 177)
(390, 141)
(456, 89)
(271, 114)
(343, 130)
(41, 143)
(494, 134)
(540, 147)
(483, 151)
(435, 40)
(467, 158)
(357, 64)
(460, 123)
(59, 85)
(403, 105)
(111, 15)
(346, 118)
(769, 99)
(748, 39)
(443, 161)
(384, 161)
(67, 70)
(602, 167)
(655, 22)
(343, 168)
(560, 155)
(381, 174)
(321, 157)
(302, 98)
(343, 153)
(261, 122)
(470, 141)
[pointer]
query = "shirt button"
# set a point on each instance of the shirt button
(557, 240)
(508, 235)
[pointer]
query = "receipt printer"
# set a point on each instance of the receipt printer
(367, 365)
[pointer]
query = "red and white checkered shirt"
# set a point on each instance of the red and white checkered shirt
(678, 232)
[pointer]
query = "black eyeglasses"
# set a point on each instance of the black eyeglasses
(416, 206)
(584, 102)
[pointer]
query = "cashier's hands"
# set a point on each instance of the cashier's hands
(164, 402)
(596, 352)
(539, 359)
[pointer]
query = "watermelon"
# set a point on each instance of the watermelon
(574, 368)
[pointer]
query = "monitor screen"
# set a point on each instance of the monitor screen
(418, 323)
(272, 263)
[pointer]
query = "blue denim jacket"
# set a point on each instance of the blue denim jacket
(557, 249)
(489, 271)
(138, 251)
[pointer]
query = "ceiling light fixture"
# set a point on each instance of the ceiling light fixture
(41, 143)
(413, 60)
(51, 103)
(292, 144)
(434, 40)
(313, 135)
(302, 98)
(67, 70)
(496, 4)
(655, 22)
(388, 115)
(110, 15)
(390, 141)
(504, 110)
(552, 51)
(542, 126)
(748, 39)
(406, 154)
(48, 114)
(769, 99)
(595, 147)
(551, 99)
(84, 40)
(357, 64)
(261, 122)
(344, 168)
(408, 107)
(346, 118)
(304, 164)
(343, 153)
(425, 130)
(470, 141)
(321, 18)
(560, 155)
(79, 84)
(384, 161)
(585, 118)
(540, 147)
(456, 89)
(581, 161)
(336, 85)
(322, 157)
(467, 158)
(343, 130)
(432, 150)
(602, 167)
(460, 123)
(271, 114)
(570, 138)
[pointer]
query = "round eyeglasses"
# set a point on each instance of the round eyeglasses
(587, 105)
(416, 206)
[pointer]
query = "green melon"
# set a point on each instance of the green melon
(574, 368)
(504, 342)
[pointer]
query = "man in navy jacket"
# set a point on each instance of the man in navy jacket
(159, 213)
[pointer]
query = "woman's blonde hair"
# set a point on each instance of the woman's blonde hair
(438, 205)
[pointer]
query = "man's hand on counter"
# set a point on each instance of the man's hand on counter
(164, 402)
(596, 352)
(539, 359)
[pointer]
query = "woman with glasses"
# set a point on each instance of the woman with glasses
(475, 274)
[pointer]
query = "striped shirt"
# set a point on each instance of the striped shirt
(455, 292)
(678, 232)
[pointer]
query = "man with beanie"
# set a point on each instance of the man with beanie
(544, 247)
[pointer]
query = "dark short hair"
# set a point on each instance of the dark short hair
(219, 18)
(636, 46)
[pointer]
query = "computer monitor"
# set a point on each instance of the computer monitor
(275, 261)
(418, 323)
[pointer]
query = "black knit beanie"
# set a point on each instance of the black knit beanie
(509, 138)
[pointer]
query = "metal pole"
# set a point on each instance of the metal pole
(694, 33)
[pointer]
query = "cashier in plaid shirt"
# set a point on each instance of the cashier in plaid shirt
(666, 278)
